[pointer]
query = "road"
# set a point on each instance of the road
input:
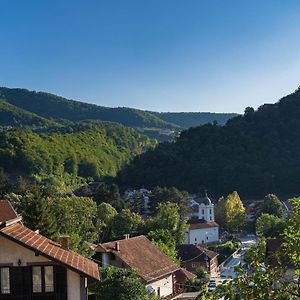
(228, 271)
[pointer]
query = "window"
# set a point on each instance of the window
(210, 211)
(202, 211)
(36, 279)
(49, 282)
(5, 280)
(42, 279)
(210, 218)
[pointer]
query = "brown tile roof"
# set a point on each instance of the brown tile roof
(140, 254)
(45, 247)
(194, 253)
(182, 275)
(202, 224)
(7, 212)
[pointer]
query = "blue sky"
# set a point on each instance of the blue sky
(163, 55)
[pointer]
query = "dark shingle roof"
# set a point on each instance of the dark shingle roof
(140, 254)
(194, 253)
(45, 247)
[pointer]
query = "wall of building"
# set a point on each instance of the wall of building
(74, 286)
(11, 253)
(202, 235)
(165, 285)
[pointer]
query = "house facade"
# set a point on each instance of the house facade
(33, 267)
(152, 265)
(194, 257)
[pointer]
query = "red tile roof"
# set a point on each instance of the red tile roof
(140, 254)
(53, 251)
(7, 212)
(200, 225)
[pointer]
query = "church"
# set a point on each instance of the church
(202, 227)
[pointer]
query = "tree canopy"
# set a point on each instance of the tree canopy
(230, 212)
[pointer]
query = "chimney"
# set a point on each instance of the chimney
(65, 242)
(126, 236)
(117, 246)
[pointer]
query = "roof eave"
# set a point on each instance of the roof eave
(50, 257)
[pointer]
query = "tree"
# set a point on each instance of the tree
(291, 245)
(109, 194)
(135, 203)
(36, 213)
(272, 205)
(269, 225)
(75, 214)
(4, 183)
(126, 222)
(168, 217)
(121, 284)
(164, 194)
(105, 216)
(230, 212)
(165, 241)
(269, 280)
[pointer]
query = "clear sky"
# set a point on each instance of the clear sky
(163, 55)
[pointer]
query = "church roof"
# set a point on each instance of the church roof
(203, 200)
(203, 224)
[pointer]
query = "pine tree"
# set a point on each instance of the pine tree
(37, 214)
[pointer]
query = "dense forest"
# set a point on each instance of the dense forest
(84, 150)
(13, 116)
(256, 153)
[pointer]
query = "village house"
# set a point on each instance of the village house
(153, 266)
(35, 267)
(194, 257)
(202, 227)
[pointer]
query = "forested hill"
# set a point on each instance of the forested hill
(85, 150)
(13, 116)
(256, 153)
(191, 119)
(51, 106)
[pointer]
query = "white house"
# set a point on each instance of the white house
(202, 228)
(34, 267)
(153, 266)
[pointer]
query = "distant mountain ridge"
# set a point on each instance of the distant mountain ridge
(192, 119)
(50, 106)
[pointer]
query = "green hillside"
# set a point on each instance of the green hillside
(51, 106)
(85, 150)
(13, 116)
(256, 153)
(192, 119)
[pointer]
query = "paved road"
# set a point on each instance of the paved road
(228, 271)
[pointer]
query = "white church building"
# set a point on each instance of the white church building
(202, 228)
